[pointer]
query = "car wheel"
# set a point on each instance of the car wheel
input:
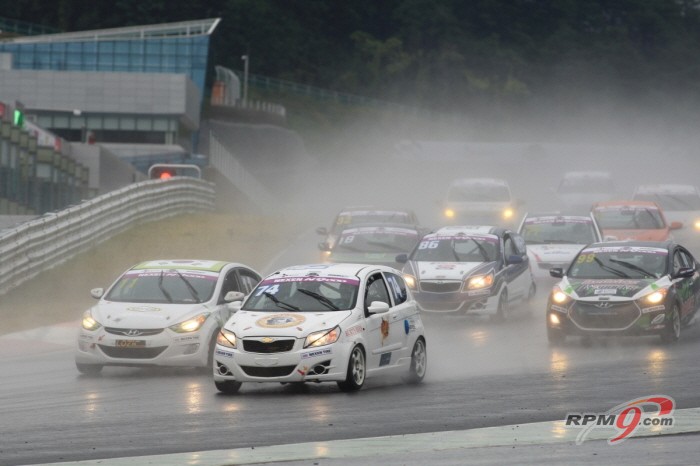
(357, 369)
(419, 362)
(502, 311)
(228, 386)
(672, 332)
(555, 337)
(88, 369)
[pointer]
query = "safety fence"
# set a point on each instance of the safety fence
(47, 241)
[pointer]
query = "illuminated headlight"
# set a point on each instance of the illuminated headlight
(322, 338)
(508, 213)
(696, 224)
(656, 297)
(449, 213)
(190, 325)
(480, 281)
(410, 281)
(226, 338)
(559, 297)
(554, 319)
(89, 323)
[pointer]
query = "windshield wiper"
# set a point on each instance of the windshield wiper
(633, 267)
(617, 272)
(322, 299)
(280, 304)
(162, 289)
(191, 288)
(387, 246)
(482, 251)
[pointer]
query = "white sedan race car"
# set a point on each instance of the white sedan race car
(161, 313)
(323, 323)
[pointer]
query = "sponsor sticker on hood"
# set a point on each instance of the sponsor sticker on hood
(620, 288)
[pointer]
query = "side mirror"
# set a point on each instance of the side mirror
(556, 272)
(676, 225)
(232, 296)
(324, 247)
(514, 259)
(97, 293)
(378, 307)
(401, 258)
(685, 272)
(322, 230)
(234, 306)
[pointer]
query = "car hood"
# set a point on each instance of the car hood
(661, 234)
(144, 315)
(611, 288)
(553, 252)
(296, 324)
(449, 270)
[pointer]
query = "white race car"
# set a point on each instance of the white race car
(161, 312)
(554, 240)
(322, 323)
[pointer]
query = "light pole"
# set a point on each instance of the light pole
(245, 59)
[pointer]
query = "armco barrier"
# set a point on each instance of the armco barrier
(47, 241)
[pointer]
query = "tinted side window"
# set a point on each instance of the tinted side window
(230, 284)
(397, 287)
(509, 247)
(248, 280)
(376, 290)
(519, 242)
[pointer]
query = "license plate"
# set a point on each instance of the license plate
(130, 343)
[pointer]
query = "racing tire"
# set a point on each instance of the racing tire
(228, 387)
(672, 332)
(357, 370)
(88, 369)
(419, 362)
(555, 337)
(502, 311)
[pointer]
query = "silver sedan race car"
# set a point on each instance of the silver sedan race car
(323, 323)
(161, 313)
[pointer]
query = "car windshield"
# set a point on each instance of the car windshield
(304, 294)
(474, 248)
(542, 230)
(672, 201)
(592, 184)
(379, 239)
(644, 218)
(479, 193)
(619, 262)
(164, 286)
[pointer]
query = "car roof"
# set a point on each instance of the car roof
(184, 264)
(666, 189)
(339, 270)
(378, 226)
(479, 181)
(560, 217)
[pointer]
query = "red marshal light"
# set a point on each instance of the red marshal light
(166, 175)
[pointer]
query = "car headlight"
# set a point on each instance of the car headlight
(656, 297)
(226, 338)
(322, 337)
(89, 323)
(449, 213)
(508, 213)
(559, 297)
(696, 224)
(480, 281)
(190, 325)
(410, 281)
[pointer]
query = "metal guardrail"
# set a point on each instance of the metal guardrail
(45, 242)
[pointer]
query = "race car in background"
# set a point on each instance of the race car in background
(554, 240)
(469, 270)
(680, 202)
(633, 220)
(578, 190)
(480, 201)
(372, 244)
(625, 288)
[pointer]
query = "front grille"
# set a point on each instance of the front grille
(257, 346)
(141, 332)
(618, 316)
(132, 353)
(444, 287)
(275, 371)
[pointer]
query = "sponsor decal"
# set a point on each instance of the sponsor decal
(143, 309)
(349, 281)
(635, 249)
(316, 353)
(554, 307)
(478, 292)
(354, 330)
(191, 338)
(384, 329)
(303, 370)
(226, 354)
(605, 291)
(385, 359)
(660, 307)
(280, 320)
(654, 411)
(443, 266)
